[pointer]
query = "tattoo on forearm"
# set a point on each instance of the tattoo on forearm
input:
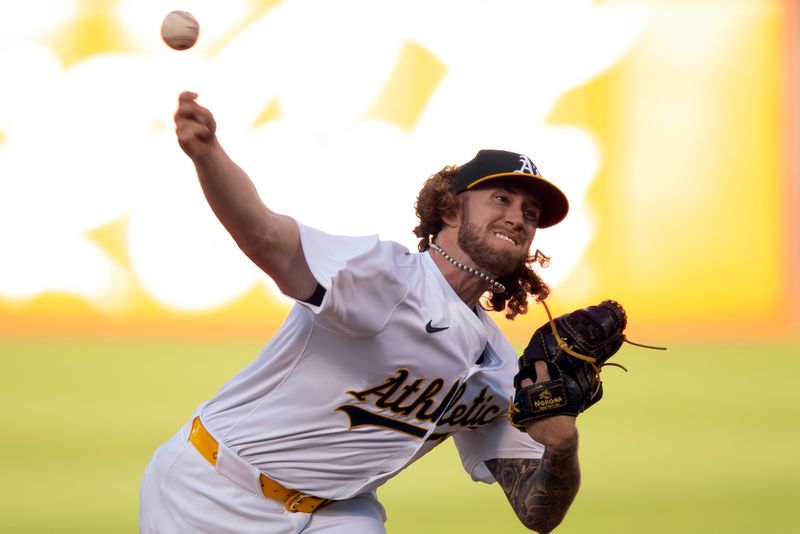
(539, 491)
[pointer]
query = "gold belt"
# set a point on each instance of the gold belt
(293, 501)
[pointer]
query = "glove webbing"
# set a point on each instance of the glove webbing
(588, 359)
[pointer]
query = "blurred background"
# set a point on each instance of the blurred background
(672, 125)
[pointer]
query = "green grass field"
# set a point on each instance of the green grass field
(701, 439)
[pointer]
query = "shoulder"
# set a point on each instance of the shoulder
(329, 254)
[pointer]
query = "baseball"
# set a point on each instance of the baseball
(179, 30)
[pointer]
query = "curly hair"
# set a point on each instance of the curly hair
(436, 200)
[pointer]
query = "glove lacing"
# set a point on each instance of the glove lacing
(562, 345)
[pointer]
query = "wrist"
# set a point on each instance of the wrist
(558, 433)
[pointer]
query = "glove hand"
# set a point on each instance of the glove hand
(573, 347)
(557, 432)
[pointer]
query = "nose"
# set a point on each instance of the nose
(514, 216)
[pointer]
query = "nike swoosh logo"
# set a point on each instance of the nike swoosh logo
(429, 328)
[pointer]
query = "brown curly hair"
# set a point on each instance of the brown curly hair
(436, 200)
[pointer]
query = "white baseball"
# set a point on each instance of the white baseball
(179, 30)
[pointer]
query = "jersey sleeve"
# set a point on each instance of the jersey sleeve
(361, 278)
(498, 439)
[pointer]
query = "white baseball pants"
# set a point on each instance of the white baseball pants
(181, 492)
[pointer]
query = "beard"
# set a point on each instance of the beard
(499, 263)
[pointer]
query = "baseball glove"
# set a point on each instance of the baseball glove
(575, 346)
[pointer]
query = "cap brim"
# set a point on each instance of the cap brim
(555, 205)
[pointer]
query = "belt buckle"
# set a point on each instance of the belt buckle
(294, 500)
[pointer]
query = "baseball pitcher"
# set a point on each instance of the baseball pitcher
(386, 354)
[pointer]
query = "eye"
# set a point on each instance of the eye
(531, 215)
(501, 198)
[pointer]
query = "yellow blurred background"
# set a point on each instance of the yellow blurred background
(671, 124)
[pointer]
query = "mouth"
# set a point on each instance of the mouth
(506, 237)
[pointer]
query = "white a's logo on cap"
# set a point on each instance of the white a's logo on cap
(527, 166)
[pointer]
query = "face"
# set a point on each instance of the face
(497, 227)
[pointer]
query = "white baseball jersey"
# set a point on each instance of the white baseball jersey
(348, 393)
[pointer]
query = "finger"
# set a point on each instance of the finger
(186, 96)
(187, 103)
(187, 107)
(526, 382)
(192, 119)
(187, 129)
(542, 372)
(189, 110)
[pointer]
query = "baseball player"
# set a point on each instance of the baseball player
(385, 355)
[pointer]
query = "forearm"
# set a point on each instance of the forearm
(540, 491)
(270, 240)
(227, 188)
(550, 490)
(233, 197)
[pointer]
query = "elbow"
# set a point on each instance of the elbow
(260, 252)
(541, 525)
(255, 243)
(260, 240)
(544, 519)
(251, 244)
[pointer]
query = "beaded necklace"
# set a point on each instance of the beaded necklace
(496, 286)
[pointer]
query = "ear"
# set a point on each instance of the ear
(453, 220)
